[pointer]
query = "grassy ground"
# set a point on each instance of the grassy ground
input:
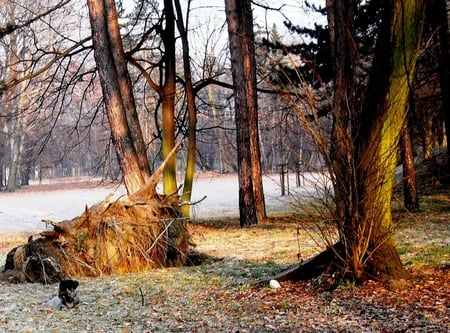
(218, 296)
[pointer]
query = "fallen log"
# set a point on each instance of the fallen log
(108, 238)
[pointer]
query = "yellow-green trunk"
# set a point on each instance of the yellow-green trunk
(168, 142)
(406, 49)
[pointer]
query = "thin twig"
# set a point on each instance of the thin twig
(142, 296)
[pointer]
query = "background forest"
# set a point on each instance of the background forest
(53, 124)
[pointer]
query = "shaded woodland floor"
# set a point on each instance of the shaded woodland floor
(219, 295)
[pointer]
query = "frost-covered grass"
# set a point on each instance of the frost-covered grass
(218, 296)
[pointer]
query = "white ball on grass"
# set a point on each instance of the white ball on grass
(274, 284)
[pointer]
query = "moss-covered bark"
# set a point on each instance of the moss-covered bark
(192, 114)
(365, 138)
(388, 94)
(168, 100)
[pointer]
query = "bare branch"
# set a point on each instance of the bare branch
(11, 27)
(8, 85)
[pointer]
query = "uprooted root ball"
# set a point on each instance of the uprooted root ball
(121, 236)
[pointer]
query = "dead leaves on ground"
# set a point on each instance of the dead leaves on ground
(423, 305)
(219, 297)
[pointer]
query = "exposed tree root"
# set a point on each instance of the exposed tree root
(142, 231)
(311, 268)
(111, 237)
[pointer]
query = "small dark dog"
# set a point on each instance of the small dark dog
(67, 295)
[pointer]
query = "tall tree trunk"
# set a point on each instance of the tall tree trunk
(168, 99)
(248, 46)
(126, 88)
(192, 111)
(115, 107)
(410, 194)
(364, 139)
(383, 116)
(340, 22)
(241, 39)
(438, 10)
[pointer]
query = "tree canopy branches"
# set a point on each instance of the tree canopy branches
(9, 28)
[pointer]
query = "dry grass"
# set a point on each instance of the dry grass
(217, 296)
(279, 239)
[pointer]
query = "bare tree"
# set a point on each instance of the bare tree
(241, 39)
(112, 73)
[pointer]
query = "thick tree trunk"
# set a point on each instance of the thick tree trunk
(125, 87)
(389, 83)
(241, 39)
(115, 108)
(364, 139)
(340, 21)
(249, 64)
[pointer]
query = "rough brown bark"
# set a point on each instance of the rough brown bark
(125, 87)
(249, 73)
(115, 108)
(340, 18)
(241, 39)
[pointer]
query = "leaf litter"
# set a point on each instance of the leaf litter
(220, 295)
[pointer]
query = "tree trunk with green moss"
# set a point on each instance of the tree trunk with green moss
(382, 119)
(368, 120)
(168, 100)
(365, 139)
(192, 113)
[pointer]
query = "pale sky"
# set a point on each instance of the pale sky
(210, 16)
